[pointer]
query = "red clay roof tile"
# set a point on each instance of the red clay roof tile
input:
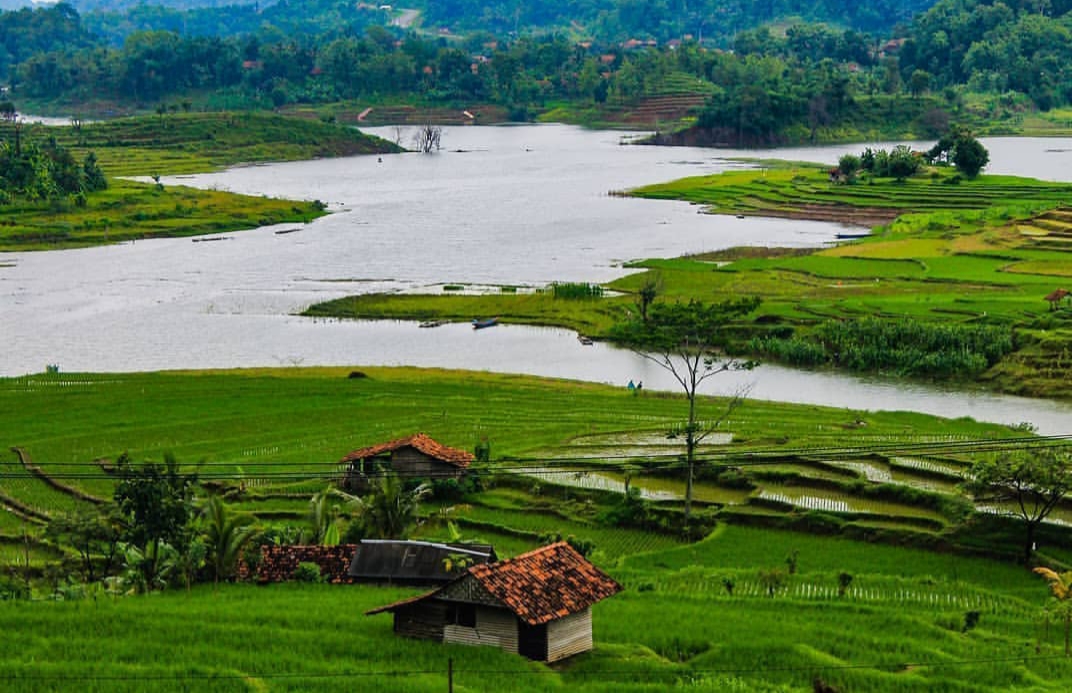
(418, 441)
(539, 586)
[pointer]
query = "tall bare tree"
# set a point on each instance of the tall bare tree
(687, 341)
(427, 138)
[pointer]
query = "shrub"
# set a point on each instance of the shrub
(11, 589)
(307, 572)
(576, 290)
(843, 582)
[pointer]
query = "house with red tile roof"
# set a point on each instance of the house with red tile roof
(416, 456)
(538, 605)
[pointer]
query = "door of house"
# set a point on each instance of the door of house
(532, 641)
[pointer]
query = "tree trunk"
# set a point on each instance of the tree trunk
(1029, 546)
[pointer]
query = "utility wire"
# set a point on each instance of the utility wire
(600, 674)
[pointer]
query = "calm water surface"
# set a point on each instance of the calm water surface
(519, 205)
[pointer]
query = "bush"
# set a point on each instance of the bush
(576, 290)
(629, 511)
(11, 589)
(307, 572)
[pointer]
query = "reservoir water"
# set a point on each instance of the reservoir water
(521, 205)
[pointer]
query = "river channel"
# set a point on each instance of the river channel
(519, 206)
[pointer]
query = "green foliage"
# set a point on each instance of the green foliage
(585, 547)
(773, 580)
(907, 347)
(34, 171)
(960, 148)
(94, 534)
(1034, 479)
(154, 500)
(307, 572)
(390, 509)
(225, 536)
(576, 290)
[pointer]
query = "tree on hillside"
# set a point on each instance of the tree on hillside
(154, 500)
(1034, 480)
(1061, 588)
(686, 340)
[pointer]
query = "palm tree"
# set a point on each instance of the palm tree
(226, 534)
(322, 518)
(390, 511)
(1061, 587)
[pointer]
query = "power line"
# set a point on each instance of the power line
(602, 673)
(547, 466)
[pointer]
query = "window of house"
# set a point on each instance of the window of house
(462, 615)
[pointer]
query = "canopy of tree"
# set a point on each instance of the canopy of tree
(785, 80)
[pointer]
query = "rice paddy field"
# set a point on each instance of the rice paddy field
(899, 626)
(694, 615)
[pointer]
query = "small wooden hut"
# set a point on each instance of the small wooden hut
(538, 605)
(415, 456)
(1055, 298)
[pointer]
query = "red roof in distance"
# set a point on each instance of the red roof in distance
(420, 442)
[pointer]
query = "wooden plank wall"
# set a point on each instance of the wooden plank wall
(495, 627)
(569, 636)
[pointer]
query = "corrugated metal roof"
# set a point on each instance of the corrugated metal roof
(414, 561)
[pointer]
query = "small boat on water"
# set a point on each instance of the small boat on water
(587, 341)
(481, 323)
(432, 323)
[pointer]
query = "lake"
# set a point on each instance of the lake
(518, 205)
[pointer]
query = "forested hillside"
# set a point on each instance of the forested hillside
(738, 73)
(664, 19)
(1022, 46)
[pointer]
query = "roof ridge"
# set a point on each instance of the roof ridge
(528, 554)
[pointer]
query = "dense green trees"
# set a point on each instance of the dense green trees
(154, 500)
(995, 46)
(44, 171)
(959, 148)
(774, 87)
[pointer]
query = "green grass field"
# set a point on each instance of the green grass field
(899, 625)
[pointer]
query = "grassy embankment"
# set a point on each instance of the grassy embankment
(946, 252)
(173, 144)
(900, 625)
